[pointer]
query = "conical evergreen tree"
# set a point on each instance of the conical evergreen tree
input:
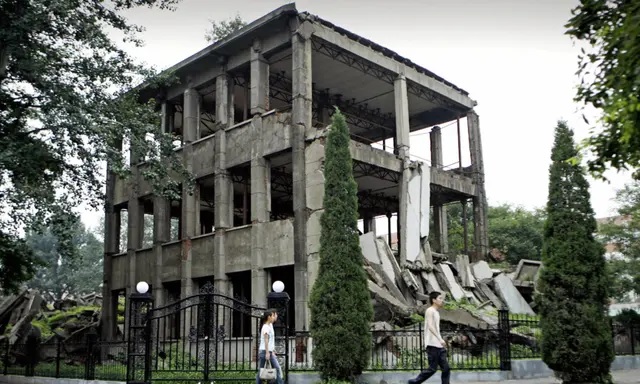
(573, 289)
(340, 306)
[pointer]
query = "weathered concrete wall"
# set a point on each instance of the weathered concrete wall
(276, 127)
(145, 265)
(203, 153)
(367, 154)
(171, 261)
(238, 249)
(119, 264)
(278, 243)
(202, 255)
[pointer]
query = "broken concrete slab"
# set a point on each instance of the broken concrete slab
(527, 271)
(481, 270)
(386, 307)
(450, 282)
(464, 271)
(412, 230)
(483, 286)
(509, 294)
(431, 283)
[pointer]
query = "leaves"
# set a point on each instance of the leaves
(66, 105)
(610, 79)
(221, 29)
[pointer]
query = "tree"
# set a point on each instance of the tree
(573, 284)
(515, 231)
(221, 29)
(61, 275)
(624, 236)
(65, 105)
(340, 305)
(610, 80)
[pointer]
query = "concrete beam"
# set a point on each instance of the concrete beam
(453, 181)
(366, 53)
(270, 44)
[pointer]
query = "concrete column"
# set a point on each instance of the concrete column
(161, 235)
(260, 207)
(190, 194)
(223, 187)
(402, 117)
(259, 78)
(401, 148)
(441, 233)
(191, 116)
(369, 224)
(301, 123)
(111, 247)
(224, 102)
(480, 237)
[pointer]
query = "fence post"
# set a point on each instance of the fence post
(632, 338)
(140, 307)
(90, 366)
(57, 357)
(421, 346)
(5, 370)
(505, 343)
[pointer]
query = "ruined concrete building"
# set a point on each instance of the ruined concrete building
(251, 113)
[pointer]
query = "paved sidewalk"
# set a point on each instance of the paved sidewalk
(631, 376)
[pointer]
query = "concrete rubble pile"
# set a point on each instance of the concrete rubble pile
(399, 292)
(29, 324)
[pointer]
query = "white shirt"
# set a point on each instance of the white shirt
(432, 317)
(268, 330)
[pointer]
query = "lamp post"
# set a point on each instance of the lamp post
(278, 299)
(139, 334)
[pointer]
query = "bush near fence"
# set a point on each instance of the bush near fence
(395, 350)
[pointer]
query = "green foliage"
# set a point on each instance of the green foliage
(340, 305)
(573, 285)
(65, 106)
(221, 29)
(515, 231)
(77, 270)
(610, 80)
(624, 266)
(628, 318)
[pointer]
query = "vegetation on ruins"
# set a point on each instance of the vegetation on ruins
(221, 29)
(340, 305)
(573, 284)
(65, 105)
(610, 80)
(624, 235)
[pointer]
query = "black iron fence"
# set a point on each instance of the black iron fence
(90, 360)
(491, 347)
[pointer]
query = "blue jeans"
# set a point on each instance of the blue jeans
(274, 364)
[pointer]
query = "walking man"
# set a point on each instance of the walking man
(435, 344)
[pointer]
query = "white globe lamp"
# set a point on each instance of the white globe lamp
(278, 286)
(142, 287)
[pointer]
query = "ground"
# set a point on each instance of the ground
(631, 376)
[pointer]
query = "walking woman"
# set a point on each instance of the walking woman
(267, 345)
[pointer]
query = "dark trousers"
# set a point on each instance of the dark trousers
(437, 357)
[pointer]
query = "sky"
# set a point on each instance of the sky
(512, 56)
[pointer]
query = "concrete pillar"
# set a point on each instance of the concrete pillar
(369, 224)
(441, 233)
(223, 187)
(480, 237)
(224, 102)
(190, 194)
(259, 78)
(401, 146)
(260, 213)
(402, 117)
(111, 247)
(301, 123)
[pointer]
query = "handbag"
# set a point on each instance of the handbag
(267, 372)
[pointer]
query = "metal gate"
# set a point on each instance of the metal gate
(204, 338)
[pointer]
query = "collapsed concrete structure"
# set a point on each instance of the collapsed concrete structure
(250, 115)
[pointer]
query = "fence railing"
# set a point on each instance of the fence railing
(470, 348)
